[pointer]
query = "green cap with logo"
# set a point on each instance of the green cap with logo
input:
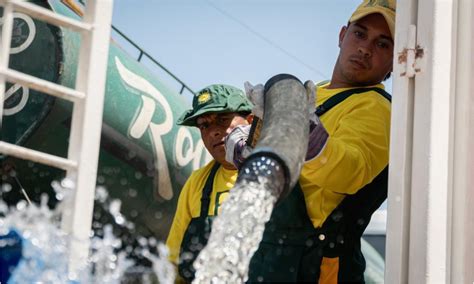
(215, 99)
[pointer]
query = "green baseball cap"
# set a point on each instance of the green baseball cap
(215, 99)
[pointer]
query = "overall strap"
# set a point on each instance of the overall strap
(207, 190)
(197, 233)
(339, 97)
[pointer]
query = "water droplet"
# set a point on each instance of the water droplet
(153, 242)
(132, 192)
(6, 187)
(21, 205)
(337, 215)
(119, 219)
(101, 194)
(44, 201)
(100, 179)
(194, 240)
(132, 154)
(158, 215)
(68, 183)
(138, 175)
(114, 207)
(340, 239)
(142, 241)
(279, 251)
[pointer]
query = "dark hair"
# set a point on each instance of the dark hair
(244, 114)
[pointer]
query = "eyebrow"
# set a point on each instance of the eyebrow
(366, 29)
(203, 120)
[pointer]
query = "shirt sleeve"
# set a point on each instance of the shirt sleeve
(357, 149)
(180, 223)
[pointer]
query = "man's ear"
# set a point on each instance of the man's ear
(342, 33)
(249, 118)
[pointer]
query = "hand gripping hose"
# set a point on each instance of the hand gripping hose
(281, 147)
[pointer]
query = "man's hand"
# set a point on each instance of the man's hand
(318, 135)
(236, 149)
(255, 95)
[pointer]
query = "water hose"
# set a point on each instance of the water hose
(280, 151)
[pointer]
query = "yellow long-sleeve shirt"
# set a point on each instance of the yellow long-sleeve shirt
(356, 152)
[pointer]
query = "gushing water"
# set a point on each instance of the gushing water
(238, 230)
(45, 246)
(235, 235)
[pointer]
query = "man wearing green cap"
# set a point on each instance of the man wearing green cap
(216, 111)
(344, 178)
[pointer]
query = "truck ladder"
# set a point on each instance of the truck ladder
(88, 99)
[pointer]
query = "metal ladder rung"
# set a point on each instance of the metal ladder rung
(43, 14)
(37, 156)
(42, 85)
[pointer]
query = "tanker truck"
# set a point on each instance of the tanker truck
(145, 158)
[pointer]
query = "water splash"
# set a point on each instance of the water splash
(45, 246)
(236, 233)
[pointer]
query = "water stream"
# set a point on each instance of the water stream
(238, 230)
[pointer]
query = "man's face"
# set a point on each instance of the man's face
(214, 128)
(366, 53)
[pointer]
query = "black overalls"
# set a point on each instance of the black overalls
(292, 250)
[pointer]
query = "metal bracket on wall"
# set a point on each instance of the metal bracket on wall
(411, 55)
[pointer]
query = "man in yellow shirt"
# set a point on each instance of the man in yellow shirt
(314, 234)
(216, 111)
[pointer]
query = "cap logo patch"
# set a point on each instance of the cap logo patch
(383, 3)
(204, 97)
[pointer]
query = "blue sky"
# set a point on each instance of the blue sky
(229, 41)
